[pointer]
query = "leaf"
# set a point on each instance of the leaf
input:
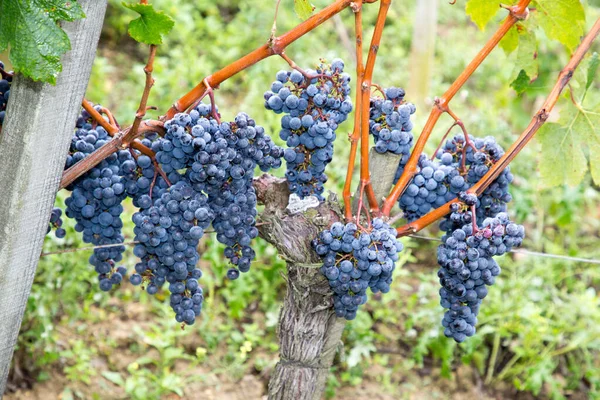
(526, 63)
(592, 69)
(588, 125)
(36, 41)
(510, 41)
(482, 11)
(114, 377)
(303, 8)
(150, 26)
(66, 10)
(562, 20)
(562, 159)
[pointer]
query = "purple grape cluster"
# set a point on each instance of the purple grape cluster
(56, 223)
(95, 201)
(442, 179)
(467, 267)
(356, 259)
(313, 107)
(390, 124)
(5, 82)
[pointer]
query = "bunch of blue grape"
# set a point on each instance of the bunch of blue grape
(5, 83)
(56, 223)
(356, 259)
(390, 124)
(168, 230)
(202, 174)
(313, 107)
(467, 267)
(219, 159)
(95, 201)
(442, 179)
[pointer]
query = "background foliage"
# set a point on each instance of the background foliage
(539, 333)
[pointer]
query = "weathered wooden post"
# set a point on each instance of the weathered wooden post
(33, 148)
(422, 51)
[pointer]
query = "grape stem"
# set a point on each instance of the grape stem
(365, 88)
(516, 13)
(536, 123)
(355, 136)
(141, 112)
(5, 74)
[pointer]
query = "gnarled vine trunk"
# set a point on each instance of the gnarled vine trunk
(309, 331)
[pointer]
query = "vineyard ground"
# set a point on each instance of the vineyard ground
(115, 338)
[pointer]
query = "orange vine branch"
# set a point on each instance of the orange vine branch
(355, 136)
(536, 123)
(141, 112)
(96, 116)
(365, 88)
(74, 172)
(274, 46)
(517, 12)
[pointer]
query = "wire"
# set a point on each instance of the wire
(428, 238)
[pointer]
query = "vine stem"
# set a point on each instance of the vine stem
(141, 112)
(517, 12)
(116, 144)
(355, 136)
(537, 121)
(365, 174)
(274, 46)
(113, 130)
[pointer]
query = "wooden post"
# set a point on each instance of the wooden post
(33, 147)
(383, 170)
(422, 51)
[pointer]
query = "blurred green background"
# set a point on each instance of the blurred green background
(539, 328)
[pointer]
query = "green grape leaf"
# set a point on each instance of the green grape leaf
(521, 82)
(510, 41)
(563, 160)
(482, 11)
(562, 20)
(527, 54)
(563, 157)
(526, 63)
(592, 69)
(65, 10)
(303, 8)
(36, 41)
(150, 26)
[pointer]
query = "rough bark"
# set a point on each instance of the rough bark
(309, 331)
(33, 148)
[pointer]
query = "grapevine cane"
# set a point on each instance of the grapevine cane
(517, 12)
(355, 136)
(538, 120)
